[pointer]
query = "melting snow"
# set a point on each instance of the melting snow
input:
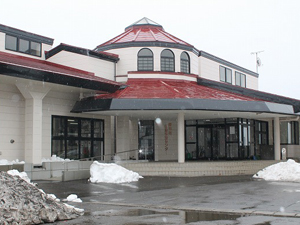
(111, 173)
(55, 158)
(6, 162)
(283, 171)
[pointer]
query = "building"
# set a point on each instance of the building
(144, 94)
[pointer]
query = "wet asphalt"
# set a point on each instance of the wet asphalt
(174, 200)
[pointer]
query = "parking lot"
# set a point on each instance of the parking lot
(198, 200)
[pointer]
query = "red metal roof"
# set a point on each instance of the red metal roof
(170, 89)
(43, 65)
(145, 30)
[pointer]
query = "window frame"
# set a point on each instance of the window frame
(240, 75)
(165, 61)
(182, 61)
(145, 57)
(226, 80)
(64, 136)
(18, 40)
(292, 133)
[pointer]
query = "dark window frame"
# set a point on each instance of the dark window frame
(143, 60)
(294, 132)
(226, 80)
(167, 62)
(240, 75)
(79, 138)
(18, 46)
(185, 63)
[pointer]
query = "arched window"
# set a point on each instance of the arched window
(184, 62)
(167, 61)
(145, 60)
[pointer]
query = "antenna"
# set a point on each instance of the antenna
(258, 61)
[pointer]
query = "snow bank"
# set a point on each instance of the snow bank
(22, 175)
(111, 173)
(284, 171)
(23, 203)
(6, 162)
(55, 158)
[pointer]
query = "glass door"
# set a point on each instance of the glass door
(204, 143)
(218, 142)
(146, 140)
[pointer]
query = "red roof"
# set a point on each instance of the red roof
(170, 89)
(43, 65)
(145, 30)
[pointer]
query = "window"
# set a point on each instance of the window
(240, 79)
(184, 62)
(262, 132)
(145, 60)
(289, 133)
(77, 138)
(22, 45)
(225, 74)
(167, 61)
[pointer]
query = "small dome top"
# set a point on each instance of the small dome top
(142, 31)
(142, 22)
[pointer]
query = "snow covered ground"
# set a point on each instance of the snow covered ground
(111, 173)
(55, 158)
(6, 162)
(284, 171)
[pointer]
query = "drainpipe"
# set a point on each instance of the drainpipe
(115, 118)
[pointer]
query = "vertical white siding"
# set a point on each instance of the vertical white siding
(128, 59)
(210, 69)
(101, 68)
(12, 122)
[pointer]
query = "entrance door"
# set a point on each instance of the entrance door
(211, 142)
(204, 143)
(218, 142)
(146, 139)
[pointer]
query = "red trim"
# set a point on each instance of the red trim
(42, 65)
(145, 33)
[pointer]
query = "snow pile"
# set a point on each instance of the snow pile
(22, 175)
(72, 198)
(55, 158)
(283, 171)
(111, 173)
(6, 162)
(23, 203)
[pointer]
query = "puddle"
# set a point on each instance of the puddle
(194, 216)
(186, 216)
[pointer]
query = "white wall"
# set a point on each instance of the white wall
(12, 122)
(128, 59)
(210, 69)
(101, 68)
(45, 47)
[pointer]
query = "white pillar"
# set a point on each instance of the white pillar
(180, 132)
(277, 138)
(33, 121)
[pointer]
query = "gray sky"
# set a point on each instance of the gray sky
(229, 29)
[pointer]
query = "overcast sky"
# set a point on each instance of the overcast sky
(229, 29)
